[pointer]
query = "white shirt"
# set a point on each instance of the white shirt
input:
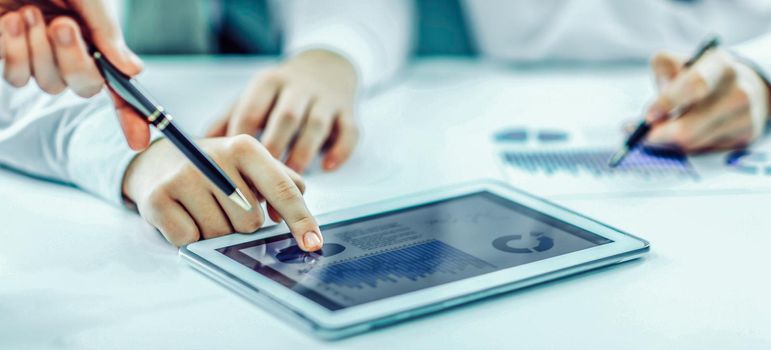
(78, 141)
(64, 138)
(376, 35)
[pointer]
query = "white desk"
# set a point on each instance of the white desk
(81, 274)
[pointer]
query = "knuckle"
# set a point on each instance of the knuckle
(250, 223)
(697, 83)
(303, 152)
(157, 198)
(243, 145)
(741, 98)
(659, 59)
(286, 191)
(180, 237)
(290, 117)
(272, 76)
(683, 137)
(273, 149)
(251, 116)
(317, 121)
(186, 177)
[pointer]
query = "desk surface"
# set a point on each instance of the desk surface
(82, 274)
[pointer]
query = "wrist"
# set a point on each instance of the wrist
(129, 179)
(760, 74)
(132, 176)
(322, 60)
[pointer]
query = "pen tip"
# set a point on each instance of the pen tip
(239, 198)
(618, 157)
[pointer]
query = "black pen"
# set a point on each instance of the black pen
(129, 90)
(644, 127)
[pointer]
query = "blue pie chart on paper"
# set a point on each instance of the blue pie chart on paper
(535, 242)
(522, 135)
(749, 162)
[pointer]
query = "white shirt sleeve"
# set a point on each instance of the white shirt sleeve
(757, 51)
(64, 138)
(374, 35)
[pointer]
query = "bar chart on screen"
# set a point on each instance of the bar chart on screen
(429, 259)
(555, 163)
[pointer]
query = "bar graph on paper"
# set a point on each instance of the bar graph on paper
(639, 163)
(554, 163)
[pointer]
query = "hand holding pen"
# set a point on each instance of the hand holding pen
(175, 184)
(42, 40)
(713, 101)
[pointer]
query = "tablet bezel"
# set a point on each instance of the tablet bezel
(622, 245)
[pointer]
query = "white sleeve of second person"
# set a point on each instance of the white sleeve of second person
(64, 138)
(757, 52)
(374, 35)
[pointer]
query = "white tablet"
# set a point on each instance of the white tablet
(389, 261)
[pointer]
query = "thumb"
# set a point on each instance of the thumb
(665, 67)
(691, 86)
(107, 36)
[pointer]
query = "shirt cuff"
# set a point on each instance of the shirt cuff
(99, 154)
(757, 52)
(351, 42)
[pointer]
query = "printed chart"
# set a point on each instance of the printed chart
(551, 163)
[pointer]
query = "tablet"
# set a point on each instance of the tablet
(393, 260)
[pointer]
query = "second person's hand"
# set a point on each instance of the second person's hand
(726, 103)
(300, 107)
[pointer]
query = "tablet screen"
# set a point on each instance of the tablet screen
(405, 250)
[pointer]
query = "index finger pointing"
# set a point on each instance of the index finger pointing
(280, 191)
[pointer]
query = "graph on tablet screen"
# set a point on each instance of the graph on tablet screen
(404, 251)
(417, 261)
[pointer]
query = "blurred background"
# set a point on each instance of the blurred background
(185, 27)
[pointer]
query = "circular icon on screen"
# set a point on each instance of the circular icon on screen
(535, 242)
(295, 255)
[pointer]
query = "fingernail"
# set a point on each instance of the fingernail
(330, 164)
(29, 16)
(64, 35)
(13, 25)
(312, 240)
